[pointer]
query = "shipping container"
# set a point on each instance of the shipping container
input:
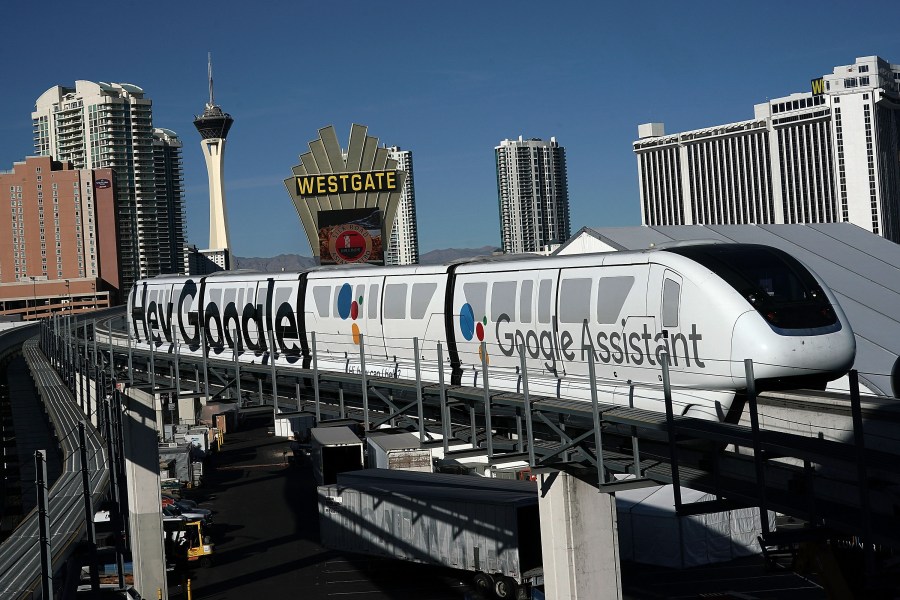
(398, 451)
(181, 454)
(488, 527)
(296, 424)
(334, 450)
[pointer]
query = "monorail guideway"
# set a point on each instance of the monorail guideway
(822, 484)
(564, 434)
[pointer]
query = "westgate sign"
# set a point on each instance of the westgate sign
(340, 192)
(344, 183)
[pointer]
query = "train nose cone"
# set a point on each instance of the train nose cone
(797, 353)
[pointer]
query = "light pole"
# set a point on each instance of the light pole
(33, 296)
(68, 298)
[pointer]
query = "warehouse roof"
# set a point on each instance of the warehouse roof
(441, 486)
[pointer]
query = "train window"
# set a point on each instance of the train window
(503, 300)
(525, 301)
(421, 297)
(545, 300)
(670, 300)
(772, 281)
(372, 301)
(476, 294)
(336, 311)
(577, 295)
(322, 296)
(395, 301)
(360, 292)
(611, 295)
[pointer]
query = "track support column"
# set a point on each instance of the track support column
(579, 540)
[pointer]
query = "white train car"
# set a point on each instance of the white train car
(628, 308)
(706, 307)
(387, 307)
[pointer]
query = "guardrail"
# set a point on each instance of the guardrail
(20, 554)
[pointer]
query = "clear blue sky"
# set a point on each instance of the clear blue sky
(445, 80)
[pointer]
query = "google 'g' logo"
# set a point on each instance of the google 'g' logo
(349, 308)
(469, 327)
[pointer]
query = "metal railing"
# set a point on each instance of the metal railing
(21, 553)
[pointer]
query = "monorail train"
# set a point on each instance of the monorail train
(707, 307)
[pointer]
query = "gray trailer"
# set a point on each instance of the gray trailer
(295, 424)
(333, 450)
(398, 451)
(488, 527)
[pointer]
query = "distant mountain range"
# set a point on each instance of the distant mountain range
(295, 262)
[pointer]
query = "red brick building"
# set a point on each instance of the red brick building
(58, 239)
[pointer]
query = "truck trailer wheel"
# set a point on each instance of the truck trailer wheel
(505, 588)
(483, 583)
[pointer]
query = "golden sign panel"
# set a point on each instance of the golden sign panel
(343, 183)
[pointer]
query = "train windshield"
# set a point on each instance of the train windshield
(782, 290)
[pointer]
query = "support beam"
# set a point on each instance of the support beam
(579, 540)
(142, 479)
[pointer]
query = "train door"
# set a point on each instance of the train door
(664, 292)
(159, 314)
(546, 309)
(503, 316)
(253, 321)
(371, 313)
(470, 310)
(188, 311)
(358, 305)
(413, 310)
(624, 328)
(339, 311)
(284, 319)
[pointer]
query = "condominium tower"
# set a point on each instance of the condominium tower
(533, 195)
(403, 248)
(827, 155)
(167, 161)
(110, 125)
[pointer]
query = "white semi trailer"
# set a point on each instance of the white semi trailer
(334, 450)
(398, 451)
(489, 527)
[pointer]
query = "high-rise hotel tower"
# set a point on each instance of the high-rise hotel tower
(213, 126)
(823, 156)
(110, 125)
(403, 248)
(533, 194)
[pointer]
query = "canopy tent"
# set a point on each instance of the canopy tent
(651, 533)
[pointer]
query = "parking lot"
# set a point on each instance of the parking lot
(266, 534)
